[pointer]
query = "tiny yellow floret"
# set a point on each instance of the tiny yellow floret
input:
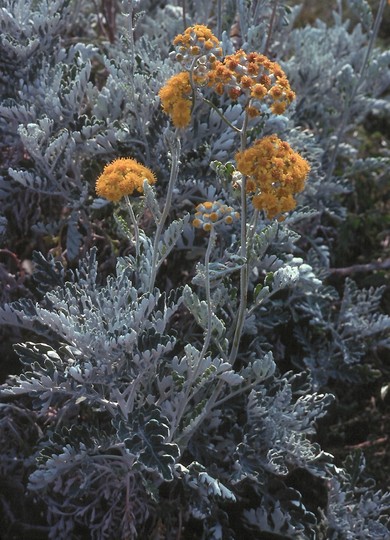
(197, 223)
(123, 176)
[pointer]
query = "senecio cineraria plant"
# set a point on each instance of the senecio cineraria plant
(163, 414)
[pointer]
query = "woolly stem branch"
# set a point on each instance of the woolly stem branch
(243, 253)
(210, 104)
(271, 27)
(135, 226)
(219, 19)
(195, 374)
(175, 154)
(210, 247)
(354, 90)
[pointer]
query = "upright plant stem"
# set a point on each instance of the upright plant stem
(350, 99)
(197, 370)
(221, 115)
(135, 225)
(184, 10)
(219, 19)
(251, 232)
(243, 253)
(271, 27)
(132, 93)
(210, 247)
(129, 14)
(175, 154)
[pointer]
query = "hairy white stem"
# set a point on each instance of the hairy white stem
(175, 154)
(195, 374)
(135, 226)
(354, 90)
(239, 324)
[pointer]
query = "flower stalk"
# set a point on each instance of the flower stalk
(175, 148)
(244, 271)
(135, 226)
(354, 90)
(270, 169)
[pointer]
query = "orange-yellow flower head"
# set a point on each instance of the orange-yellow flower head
(275, 174)
(123, 176)
(196, 34)
(176, 99)
(253, 76)
(196, 42)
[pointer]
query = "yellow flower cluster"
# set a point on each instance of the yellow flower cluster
(208, 214)
(176, 99)
(123, 176)
(254, 76)
(197, 46)
(251, 75)
(275, 174)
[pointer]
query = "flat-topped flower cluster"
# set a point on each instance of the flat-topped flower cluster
(211, 213)
(255, 77)
(123, 176)
(274, 173)
(252, 77)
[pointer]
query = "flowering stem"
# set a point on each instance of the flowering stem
(184, 13)
(243, 253)
(352, 94)
(130, 36)
(271, 27)
(135, 225)
(190, 390)
(129, 14)
(238, 130)
(210, 247)
(252, 227)
(175, 154)
(219, 19)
